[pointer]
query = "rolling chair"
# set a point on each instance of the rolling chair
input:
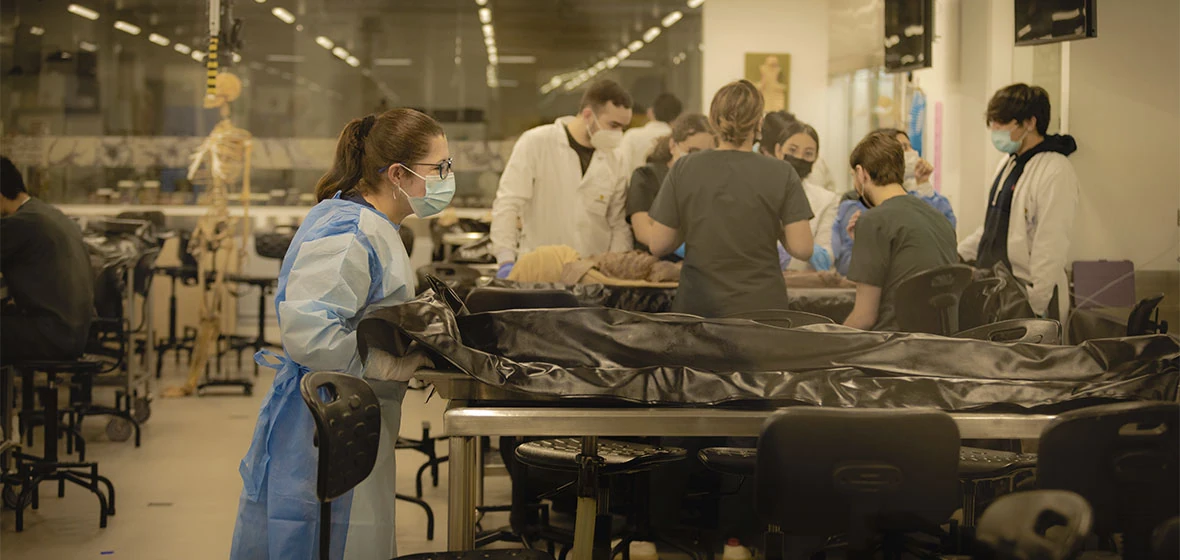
(347, 418)
(1041, 525)
(928, 302)
(1140, 322)
(977, 305)
(1124, 459)
(1031, 331)
(782, 318)
(874, 475)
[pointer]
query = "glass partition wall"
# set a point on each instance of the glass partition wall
(101, 100)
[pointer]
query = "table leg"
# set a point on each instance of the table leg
(461, 494)
(479, 472)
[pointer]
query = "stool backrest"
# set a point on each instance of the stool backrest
(928, 302)
(1042, 524)
(1122, 458)
(273, 244)
(483, 300)
(1033, 331)
(977, 305)
(828, 471)
(784, 318)
(1140, 321)
(348, 429)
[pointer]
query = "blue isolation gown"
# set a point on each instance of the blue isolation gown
(346, 259)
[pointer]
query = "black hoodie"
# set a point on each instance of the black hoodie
(993, 246)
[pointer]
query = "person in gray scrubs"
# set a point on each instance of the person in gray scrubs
(731, 207)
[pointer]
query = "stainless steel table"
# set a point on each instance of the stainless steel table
(466, 421)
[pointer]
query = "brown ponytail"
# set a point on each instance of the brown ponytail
(370, 143)
(682, 128)
(736, 112)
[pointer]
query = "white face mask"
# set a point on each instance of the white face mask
(911, 165)
(603, 139)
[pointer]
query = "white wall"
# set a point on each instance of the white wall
(800, 27)
(1125, 114)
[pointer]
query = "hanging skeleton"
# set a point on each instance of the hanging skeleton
(221, 162)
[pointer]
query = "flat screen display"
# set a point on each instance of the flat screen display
(1051, 21)
(909, 30)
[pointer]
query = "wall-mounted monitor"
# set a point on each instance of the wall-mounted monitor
(1052, 21)
(909, 31)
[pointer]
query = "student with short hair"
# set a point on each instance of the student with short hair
(897, 237)
(1032, 202)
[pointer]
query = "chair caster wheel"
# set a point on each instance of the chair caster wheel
(141, 409)
(119, 429)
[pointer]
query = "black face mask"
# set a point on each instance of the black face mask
(802, 167)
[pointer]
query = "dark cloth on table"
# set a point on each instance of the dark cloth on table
(47, 268)
(993, 246)
(730, 207)
(901, 237)
(642, 191)
(585, 154)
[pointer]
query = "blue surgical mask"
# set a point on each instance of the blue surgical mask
(439, 193)
(1002, 140)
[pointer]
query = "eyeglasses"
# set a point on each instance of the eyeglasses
(443, 169)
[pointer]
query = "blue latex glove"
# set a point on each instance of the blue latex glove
(679, 252)
(821, 259)
(504, 270)
(784, 258)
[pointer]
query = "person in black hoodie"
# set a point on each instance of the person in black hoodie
(1032, 200)
(47, 271)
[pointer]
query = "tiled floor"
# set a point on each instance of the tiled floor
(177, 495)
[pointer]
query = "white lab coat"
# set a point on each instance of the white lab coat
(544, 188)
(824, 205)
(638, 143)
(1043, 207)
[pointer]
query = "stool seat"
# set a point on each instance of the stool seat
(619, 457)
(80, 365)
(739, 461)
(978, 464)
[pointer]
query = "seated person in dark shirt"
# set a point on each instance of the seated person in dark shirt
(47, 271)
(690, 133)
(897, 237)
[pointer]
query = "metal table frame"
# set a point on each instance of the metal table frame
(466, 422)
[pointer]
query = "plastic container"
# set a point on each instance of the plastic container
(735, 551)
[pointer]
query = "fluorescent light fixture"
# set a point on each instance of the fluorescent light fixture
(284, 15)
(493, 50)
(623, 54)
(341, 53)
(259, 1)
(612, 62)
(284, 58)
(485, 15)
(633, 63)
(494, 59)
(393, 62)
(353, 61)
(80, 10)
(324, 42)
(600, 66)
(237, 58)
(488, 30)
(198, 56)
(182, 48)
(489, 41)
(159, 39)
(366, 72)
(128, 28)
(914, 30)
(555, 81)
(88, 46)
(592, 72)
(635, 46)
(671, 19)
(651, 34)
(693, 4)
(518, 59)
(38, 31)
(481, 2)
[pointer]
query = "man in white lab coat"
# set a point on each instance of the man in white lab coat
(1032, 201)
(639, 141)
(565, 183)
